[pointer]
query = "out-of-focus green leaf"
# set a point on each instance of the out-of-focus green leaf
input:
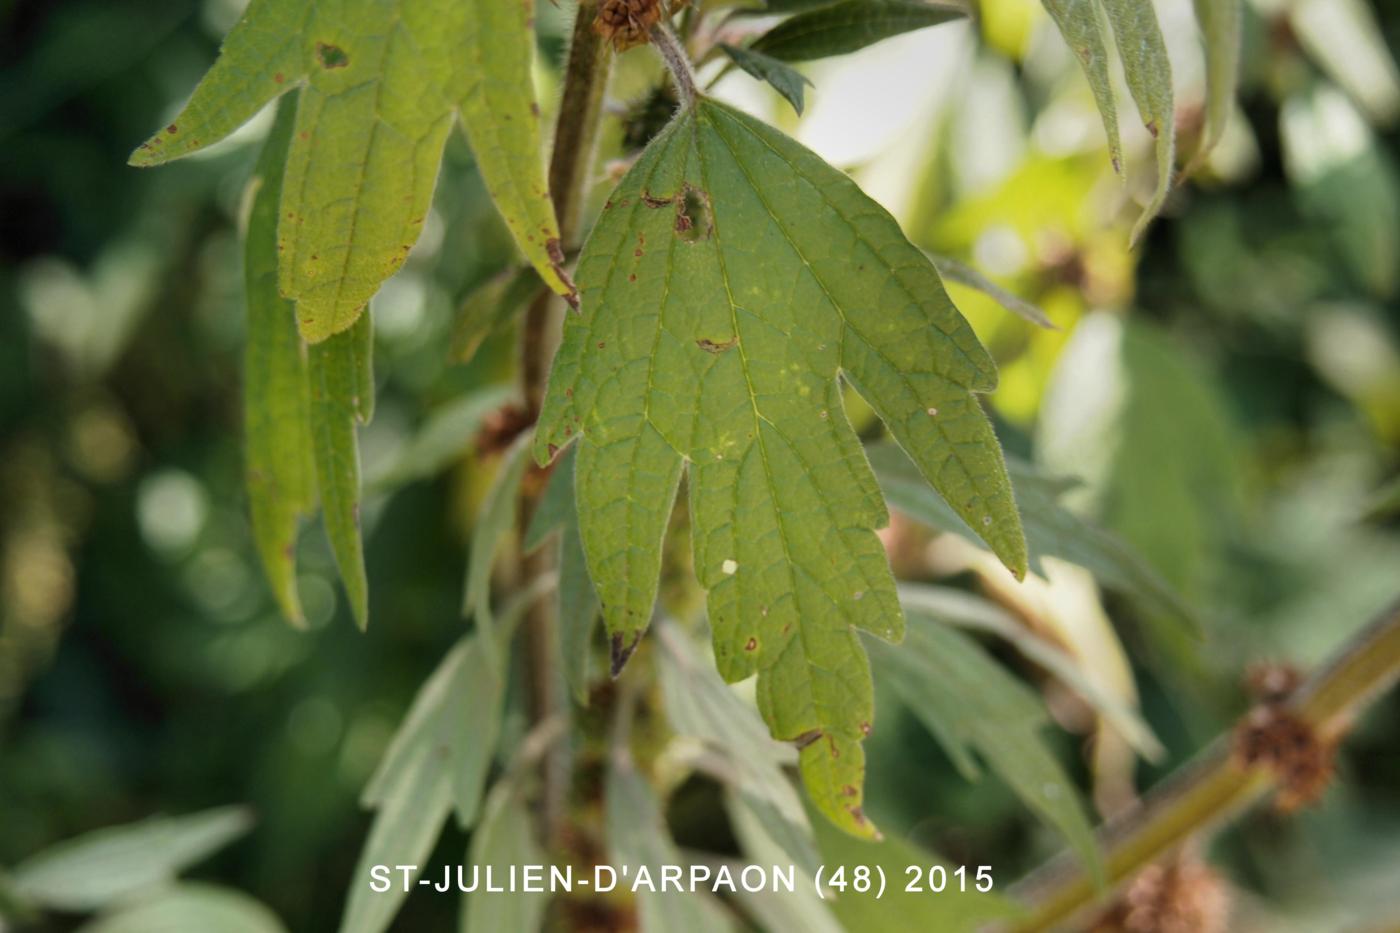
(964, 274)
(1144, 428)
(342, 394)
(965, 610)
(443, 436)
(786, 80)
(457, 715)
(278, 467)
(504, 840)
(1052, 530)
(382, 84)
(1346, 181)
(189, 907)
(1350, 45)
(777, 910)
(1149, 74)
(698, 703)
(412, 810)
(970, 703)
(490, 307)
(753, 274)
(1386, 500)
(848, 26)
(901, 911)
(105, 866)
(637, 836)
(1221, 27)
(493, 524)
(1081, 23)
(578, 602)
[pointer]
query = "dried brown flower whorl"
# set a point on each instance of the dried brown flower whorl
(626, 22)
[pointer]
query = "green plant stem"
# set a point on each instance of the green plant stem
(571, 160)
(673, 53)
(1216, 786)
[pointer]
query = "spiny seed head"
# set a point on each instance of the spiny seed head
(626, 22)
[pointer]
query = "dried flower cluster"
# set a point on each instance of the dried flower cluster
(626, 23)
(1182, 897)
(1274, 736)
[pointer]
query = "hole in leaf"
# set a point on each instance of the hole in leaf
(693, 221)
(331, 56)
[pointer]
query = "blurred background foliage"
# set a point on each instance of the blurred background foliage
(1229, 397)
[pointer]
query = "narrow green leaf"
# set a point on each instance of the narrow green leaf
(900, 910)
(963, 274)
(342, 394)
(848, 26)
(382, 84)
(555, 508)
(577, 609)
(493, 524)
(777, 910)
(1221, 25)
(699, 704)
(1052, 530)
(490, 307)
(411, 815)
(102, 867)
(444, 436)
(190, 906)
(754, 274)
(970, 703)
(278, 468)
(965, 610)
(638, 837)
(786, 80)
(1081, 23)
(504, 841)
(1149, 74)
(457, 715)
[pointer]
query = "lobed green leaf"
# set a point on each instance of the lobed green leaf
(383, 81)
(732, 277)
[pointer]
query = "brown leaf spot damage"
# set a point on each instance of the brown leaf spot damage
(331, 56)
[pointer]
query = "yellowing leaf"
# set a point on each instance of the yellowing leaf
(383, 82)
(731, 278)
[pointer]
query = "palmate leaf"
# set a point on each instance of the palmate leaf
(383, 82)
(732, 276)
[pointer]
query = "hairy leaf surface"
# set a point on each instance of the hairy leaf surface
(278, 467)
(1146, 67)
(849, 26)
(383, 82)
(731, 278)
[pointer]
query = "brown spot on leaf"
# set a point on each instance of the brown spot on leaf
(807, 738)
(172, 128)
(279, 78)
(622, 651)
(717, 346)
(751, 644)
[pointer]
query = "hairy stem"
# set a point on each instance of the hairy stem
(1216, 786)
(571, 160)
(674, 55)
